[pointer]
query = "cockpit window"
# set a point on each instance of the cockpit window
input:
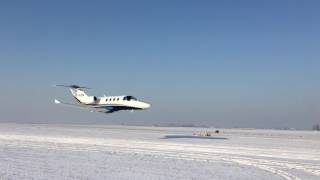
(129, 98)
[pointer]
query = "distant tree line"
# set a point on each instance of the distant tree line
(316, 127)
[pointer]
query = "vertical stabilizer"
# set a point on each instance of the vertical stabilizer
(79, 94)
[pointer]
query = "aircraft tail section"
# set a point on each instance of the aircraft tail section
(82, 97)
(79, 94)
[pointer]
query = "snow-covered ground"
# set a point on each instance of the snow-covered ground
(32, 151)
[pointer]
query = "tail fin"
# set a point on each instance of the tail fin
(79, 94)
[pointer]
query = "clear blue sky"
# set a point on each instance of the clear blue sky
(221, 63)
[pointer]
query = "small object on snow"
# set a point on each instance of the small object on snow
(217, 131)
(205, 134)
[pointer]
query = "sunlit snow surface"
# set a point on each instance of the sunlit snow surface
(122, 152)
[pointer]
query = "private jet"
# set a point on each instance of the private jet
(106, 104)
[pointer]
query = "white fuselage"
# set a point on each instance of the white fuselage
(122, 101)
(125, 102)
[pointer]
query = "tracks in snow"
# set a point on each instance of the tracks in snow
(282, 163)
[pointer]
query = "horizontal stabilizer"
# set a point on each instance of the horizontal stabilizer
(71, 86)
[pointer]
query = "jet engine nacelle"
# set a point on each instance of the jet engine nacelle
(90, 100)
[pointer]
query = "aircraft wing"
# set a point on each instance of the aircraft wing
(91, 109)
(108, 108)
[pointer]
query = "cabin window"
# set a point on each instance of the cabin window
(106, 99)
(114, 99)
(117, 99)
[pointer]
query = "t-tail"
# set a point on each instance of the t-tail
(79, 94)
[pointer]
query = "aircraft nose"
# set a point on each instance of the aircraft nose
(146, 105)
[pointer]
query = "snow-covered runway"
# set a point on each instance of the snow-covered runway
(122, 152)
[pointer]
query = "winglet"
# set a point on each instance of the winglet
(57, 101)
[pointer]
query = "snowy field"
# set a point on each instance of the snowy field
(32, 151)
